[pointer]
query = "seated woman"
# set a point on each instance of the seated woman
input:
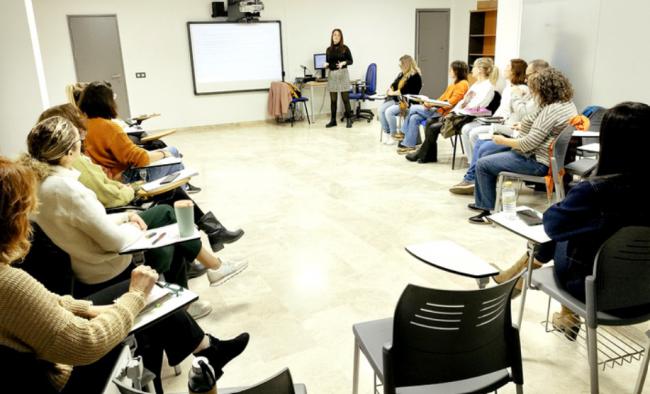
(530, 150)
(417, 113)
(596, 208)
(75, 221)
(515, 75)
(61, 344)
(521, 104)
(408, 81)
(108, 145)
(113, 193)
(480, 94)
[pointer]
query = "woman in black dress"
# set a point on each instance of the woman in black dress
(338, 59)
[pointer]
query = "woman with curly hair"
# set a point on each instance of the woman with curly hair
(530, 149)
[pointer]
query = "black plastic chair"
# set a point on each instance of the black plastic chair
(281, 383)
(24, 373)
(443, 341)
(48, 263)
(617, 293)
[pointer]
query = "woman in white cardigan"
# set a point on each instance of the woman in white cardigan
(76, 221)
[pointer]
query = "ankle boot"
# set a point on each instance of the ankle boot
(332, 122)
(217, 233)
(513, 271)
(348, 120)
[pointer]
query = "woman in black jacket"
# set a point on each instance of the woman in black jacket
(338, 58)
(408, 81)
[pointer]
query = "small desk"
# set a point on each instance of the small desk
(586, 134)
(590, 148)
(451, 257)
(534, 235)
(312, 85)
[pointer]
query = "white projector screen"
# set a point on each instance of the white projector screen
(235, 57)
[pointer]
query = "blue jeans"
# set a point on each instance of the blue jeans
(489, 167)
(411, 125)
(482, 148)
(152, 173)
(388, 112)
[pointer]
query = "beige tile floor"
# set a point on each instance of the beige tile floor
(327, 213)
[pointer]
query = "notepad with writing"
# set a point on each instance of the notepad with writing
(168, 302)
(158, 237)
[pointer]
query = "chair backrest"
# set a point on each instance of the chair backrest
(442, 336)
(371, 79)
(560, 147)
(595, 114)
(622, 271)
(48, 263)
(278, 384)
(495, 103)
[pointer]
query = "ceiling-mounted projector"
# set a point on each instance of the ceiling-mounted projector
(244, 10)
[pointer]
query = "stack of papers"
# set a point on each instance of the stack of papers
(475, 112)
(158, 237)
(154, 185)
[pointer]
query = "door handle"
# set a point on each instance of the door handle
(116, 76)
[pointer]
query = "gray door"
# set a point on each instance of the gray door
(98, 54)
(432, 49)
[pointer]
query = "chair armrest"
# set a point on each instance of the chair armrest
(124, 208)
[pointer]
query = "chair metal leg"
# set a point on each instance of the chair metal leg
(497, 202)
(293, 113)
(453, 155)
(520, 389)
(643, 369)
(528, 275)
(304, 103)
(462, 148)
(592, 352)
(355, 373)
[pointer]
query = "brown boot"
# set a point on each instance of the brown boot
(515, 270)
(567, 322)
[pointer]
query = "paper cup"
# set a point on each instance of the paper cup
(184, 210)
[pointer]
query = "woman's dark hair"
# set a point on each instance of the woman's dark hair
(97, 101)
(460, 70)
(627, 121)
(340, 45)
(518, 71)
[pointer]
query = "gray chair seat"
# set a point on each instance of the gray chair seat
(298, 388)
(581, 167)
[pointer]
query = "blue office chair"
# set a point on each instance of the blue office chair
(368, 89)
(292, 107)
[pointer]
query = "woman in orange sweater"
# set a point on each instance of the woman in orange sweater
(109, 146)
(417, 113)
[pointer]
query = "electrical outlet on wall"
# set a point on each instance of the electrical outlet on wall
(141, 75)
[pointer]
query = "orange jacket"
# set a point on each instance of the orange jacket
(109, 146)
(453, 94)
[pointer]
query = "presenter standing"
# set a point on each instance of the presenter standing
(338, 59)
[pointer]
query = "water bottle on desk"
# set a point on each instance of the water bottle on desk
(509, 200)
(202, 379)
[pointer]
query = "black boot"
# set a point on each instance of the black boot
(332, 122)
(348, 120)
(217, 233)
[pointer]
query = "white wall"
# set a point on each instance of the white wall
(601, 45)
(20, 95)
(154, 40)
(508, 31)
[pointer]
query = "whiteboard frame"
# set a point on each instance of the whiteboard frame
(189, 39)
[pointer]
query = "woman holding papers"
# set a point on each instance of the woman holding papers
(417, 113)
(58, 344)
(108, 145)
(520, 105)
(408, 81)
(75, 220)
(529, 154)
(596, 208)
(480, 94)
(113, 193)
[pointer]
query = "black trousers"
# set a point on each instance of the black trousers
(429, 150)
(345, 96)
(177, 335)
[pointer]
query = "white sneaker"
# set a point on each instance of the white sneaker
(227, 270)
(390, 141)
(199, 309)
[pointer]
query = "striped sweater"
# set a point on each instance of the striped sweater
(540, 128)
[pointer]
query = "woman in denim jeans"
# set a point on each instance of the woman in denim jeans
(408, 81)
(453, 94)
(596, 208)
(530, 150)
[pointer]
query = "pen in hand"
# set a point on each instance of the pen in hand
(155, 241)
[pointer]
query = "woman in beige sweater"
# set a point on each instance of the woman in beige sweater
(45, 334)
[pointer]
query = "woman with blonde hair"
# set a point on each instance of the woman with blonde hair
(408, 81)
(59, 344)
